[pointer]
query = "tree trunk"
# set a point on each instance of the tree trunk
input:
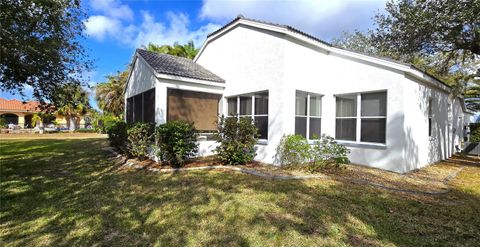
(73, 123)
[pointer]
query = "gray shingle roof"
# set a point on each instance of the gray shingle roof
(178, 66)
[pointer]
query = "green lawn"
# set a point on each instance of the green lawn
(66, 192)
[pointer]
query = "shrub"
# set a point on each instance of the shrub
(326, 149)
(140, 136)
(293, 150)
(3, 122)
(176, 142)
(85, 130)
(474, 132)
(237, 139)
(475, 135)
(117, 135)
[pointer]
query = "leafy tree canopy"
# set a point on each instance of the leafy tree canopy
(110, 94)
(187, 50)
(40, 46)
(71, 101)
(430, 27)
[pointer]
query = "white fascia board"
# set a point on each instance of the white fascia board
(181, 85)
(428, 79)
(190, 80)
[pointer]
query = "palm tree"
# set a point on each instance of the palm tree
(110, 95)
(71, 101)
(187, 50)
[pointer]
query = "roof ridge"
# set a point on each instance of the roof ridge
(290, 28)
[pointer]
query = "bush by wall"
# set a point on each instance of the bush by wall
(117, 135)
(176, 142)
(327, 150)
(237, 139)
(140, 136)
(295, 150)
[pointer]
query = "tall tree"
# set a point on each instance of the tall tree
(110, 94)
(187, 50)
(429, 27)
(40, 45)
(71, 101)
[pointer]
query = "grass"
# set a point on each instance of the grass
(61, 191)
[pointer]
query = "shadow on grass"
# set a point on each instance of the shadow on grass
(65, 192)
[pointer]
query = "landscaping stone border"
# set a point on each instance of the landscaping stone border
(121, 160)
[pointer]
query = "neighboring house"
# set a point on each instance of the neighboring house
(20, 114)
(391, 115)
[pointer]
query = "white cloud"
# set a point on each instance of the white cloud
(99, 26)
(148, 30)
(323, 18)
(175, 30)
(113, 9)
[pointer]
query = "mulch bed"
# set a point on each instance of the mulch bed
(432, 179)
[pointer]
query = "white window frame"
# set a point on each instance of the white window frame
(308, 116)
(252, 115)
(359, 117)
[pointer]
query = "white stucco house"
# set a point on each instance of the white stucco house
(391, 115)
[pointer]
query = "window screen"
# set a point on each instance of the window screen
(232, 106)
(137, 108)
(261, 103)
(246, 105)
(373, 113)
(129, 110)
(347, 106)
(259, 114)
(197, 107)
(346, 122)
(308, 109)
(149, 106)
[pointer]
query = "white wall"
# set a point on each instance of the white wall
(252, 61)
(312, 70)
(447, 124)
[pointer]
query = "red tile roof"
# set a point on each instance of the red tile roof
(17, 105)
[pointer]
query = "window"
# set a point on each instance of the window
(137, 108)
(129, 110)
(346, 118)
(141, 107)
(199, 108)
(430, 116)
(232, 106)
(361, 117)
(254, 106)
(308, 109)
(149, 106)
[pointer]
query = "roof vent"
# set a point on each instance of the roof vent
(240, 16)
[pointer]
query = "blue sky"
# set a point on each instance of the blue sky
(114, 28)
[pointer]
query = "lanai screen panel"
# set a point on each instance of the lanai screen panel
(199, 108)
